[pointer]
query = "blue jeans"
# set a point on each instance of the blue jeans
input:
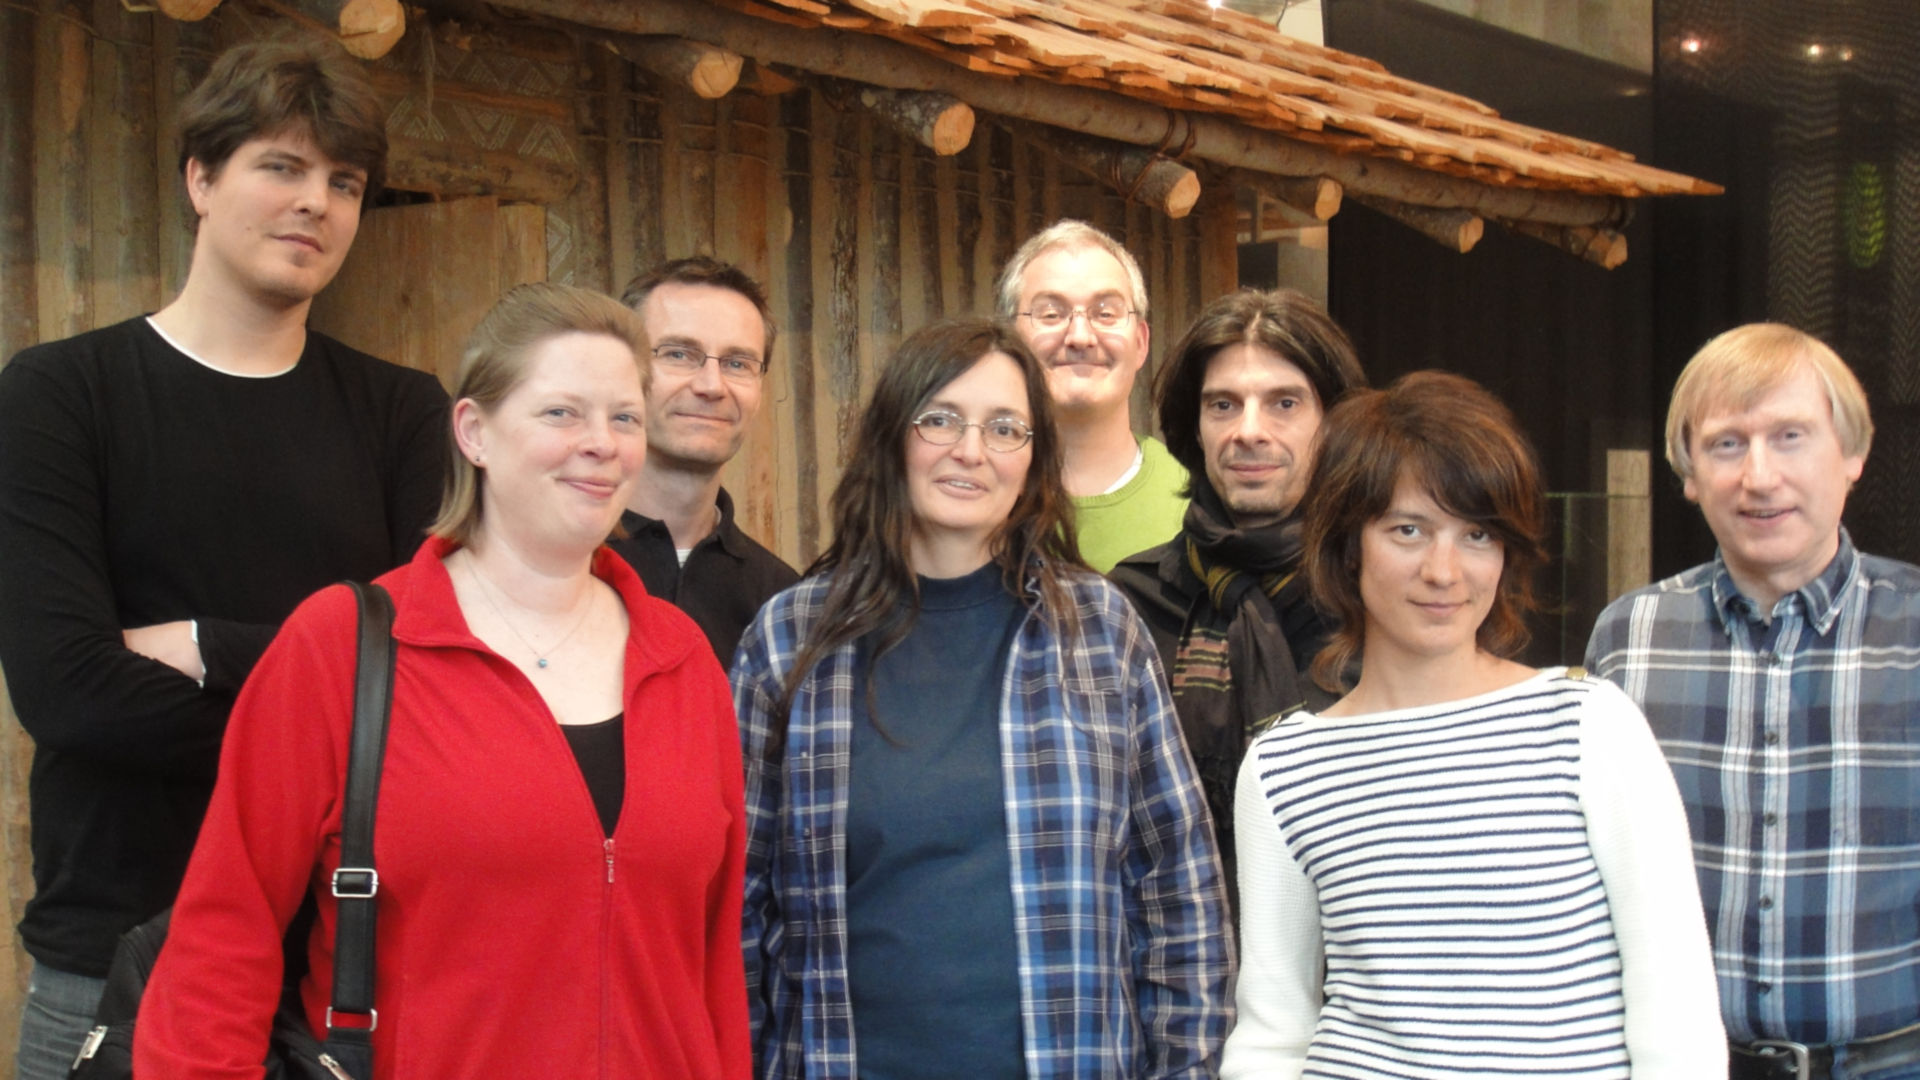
(58, 1014)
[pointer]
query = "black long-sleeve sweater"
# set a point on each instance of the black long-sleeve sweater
(139, 486)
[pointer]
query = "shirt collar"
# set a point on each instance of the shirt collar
(1820, 598)
(724, 533)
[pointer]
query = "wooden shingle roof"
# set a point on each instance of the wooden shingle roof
(1185, 55)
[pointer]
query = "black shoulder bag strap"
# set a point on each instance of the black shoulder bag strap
(355, 883)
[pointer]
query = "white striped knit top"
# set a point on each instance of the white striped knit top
(1495, 887)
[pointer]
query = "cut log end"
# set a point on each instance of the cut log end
(1179, 199)
(715, 74)
(1326, 198)
(187, 10)
(953, 130)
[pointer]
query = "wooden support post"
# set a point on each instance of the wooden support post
(368, 29)
(1629, 521)
(1315, 196)
(1605, 248)
(940, 122)
(710, 71)
(1133, 171)
(1458, 230)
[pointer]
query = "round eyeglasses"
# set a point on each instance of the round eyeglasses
(1108, 314)
(1002, 434)
(739, 367)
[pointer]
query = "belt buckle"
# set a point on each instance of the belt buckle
(1771, 1049)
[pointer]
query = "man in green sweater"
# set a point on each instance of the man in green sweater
(1078, 299)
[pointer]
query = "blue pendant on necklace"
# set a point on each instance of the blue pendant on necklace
(542, 662)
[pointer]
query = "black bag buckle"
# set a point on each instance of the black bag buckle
(356, 883)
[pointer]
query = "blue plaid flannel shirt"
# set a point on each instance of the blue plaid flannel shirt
(1119, 908)
(1796, 745)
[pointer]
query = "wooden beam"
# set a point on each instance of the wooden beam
(368, 29)
(1316, 197)
(709, 71)
(1458, 230)
(875, 61)
(446, 169)
(1135, 172)
(762, 79)
(940, 122)
(1605, 248)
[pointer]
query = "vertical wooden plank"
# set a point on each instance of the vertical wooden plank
(644, 194)
(589, 219)
(1629, 521)
(739, 197)
(1145, 237)
(19, 327)
(175, 71)
(1216, 243)
(64, 270)
(19, 302)
(1026, 192)
(521, 246)
(997, 151)
(796, 281)
(836, 215)
(885, 322)
(931, 196)
(791, 474)
(969, 228)
(870, 345)
(954, 297)
(618, 117)
(696, 158)
(126, 263)
(676, 235)
(1054, 203)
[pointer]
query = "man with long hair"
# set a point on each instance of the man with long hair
(1240, 403)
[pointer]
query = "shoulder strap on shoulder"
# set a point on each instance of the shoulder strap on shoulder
(356, 883)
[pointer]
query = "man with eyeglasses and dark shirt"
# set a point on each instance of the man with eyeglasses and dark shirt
(712, 335)
(1076, 296)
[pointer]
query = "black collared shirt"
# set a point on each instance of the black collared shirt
(728, 574)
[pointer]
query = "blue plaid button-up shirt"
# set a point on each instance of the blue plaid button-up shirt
(1119, 910)
(1795, 738)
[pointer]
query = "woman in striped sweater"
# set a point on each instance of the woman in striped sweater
(1465, 866)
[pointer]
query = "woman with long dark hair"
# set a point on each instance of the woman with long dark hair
(976, 846)
(1465, 867)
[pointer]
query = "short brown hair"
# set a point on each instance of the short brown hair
(704, 270)
(494, 365)
(286, 84)
(1283, 321)
(1460, 445)
(1738, 368)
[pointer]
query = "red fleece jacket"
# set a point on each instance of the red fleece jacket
(515, 939)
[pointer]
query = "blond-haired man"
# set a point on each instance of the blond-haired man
(1783, 679)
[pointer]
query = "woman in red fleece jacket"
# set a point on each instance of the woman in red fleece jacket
(540, 915)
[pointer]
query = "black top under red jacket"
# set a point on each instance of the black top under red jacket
(139, 486)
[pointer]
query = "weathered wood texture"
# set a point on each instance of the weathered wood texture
(420, 277)
(861, 235)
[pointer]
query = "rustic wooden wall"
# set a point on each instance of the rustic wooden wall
(860, 234)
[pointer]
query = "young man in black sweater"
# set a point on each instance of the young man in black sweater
(171, 487)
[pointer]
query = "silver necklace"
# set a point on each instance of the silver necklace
(539, 658)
